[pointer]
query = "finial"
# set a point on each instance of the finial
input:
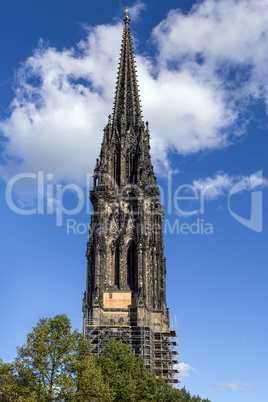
(127, 19)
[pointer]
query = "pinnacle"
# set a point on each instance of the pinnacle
(127, 103)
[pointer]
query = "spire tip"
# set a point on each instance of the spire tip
(127, 19)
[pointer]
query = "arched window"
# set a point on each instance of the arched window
(127, 165)
(117, 168)
(131, 264)
(131, 168)
(115, 263)
(134, 171)
(116, 266)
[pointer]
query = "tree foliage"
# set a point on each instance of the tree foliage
(90, 380)
(127, 374)
(131, 381)
(14, 386)
(49, 356)
(56, 364)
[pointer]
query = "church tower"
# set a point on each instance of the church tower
(125, 296)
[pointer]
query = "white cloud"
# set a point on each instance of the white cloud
(232, 386)
(210, 61)
(222, 49)
(256, 181)
(184, 370)
(185, 113)
(214, 187)
(229, 36)
(136, 10)
(218, 185)
(60, 108)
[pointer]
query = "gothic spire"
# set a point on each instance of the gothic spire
(127, 108)
(126, 267)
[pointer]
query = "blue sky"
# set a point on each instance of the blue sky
(202, 72)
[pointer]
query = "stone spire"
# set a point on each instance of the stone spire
(125, 150)
(125, 296)
(127, 109)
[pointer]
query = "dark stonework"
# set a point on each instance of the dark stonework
(126, 268)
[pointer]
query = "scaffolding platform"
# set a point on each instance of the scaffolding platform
(158, 349)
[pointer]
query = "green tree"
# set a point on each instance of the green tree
(6, 381)
(90, 382)
(185, 396)
(14, 387)
(118, 366)
(131, 381)
(128, 376)
(56, 364)
(49, 357)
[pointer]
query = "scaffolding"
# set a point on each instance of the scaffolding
(158, 349)
(165, 356)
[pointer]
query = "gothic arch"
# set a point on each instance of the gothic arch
(114, 263)
(132, 264)
(131, 168)
(116, 167)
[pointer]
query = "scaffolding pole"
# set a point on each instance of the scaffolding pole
(158, 349)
